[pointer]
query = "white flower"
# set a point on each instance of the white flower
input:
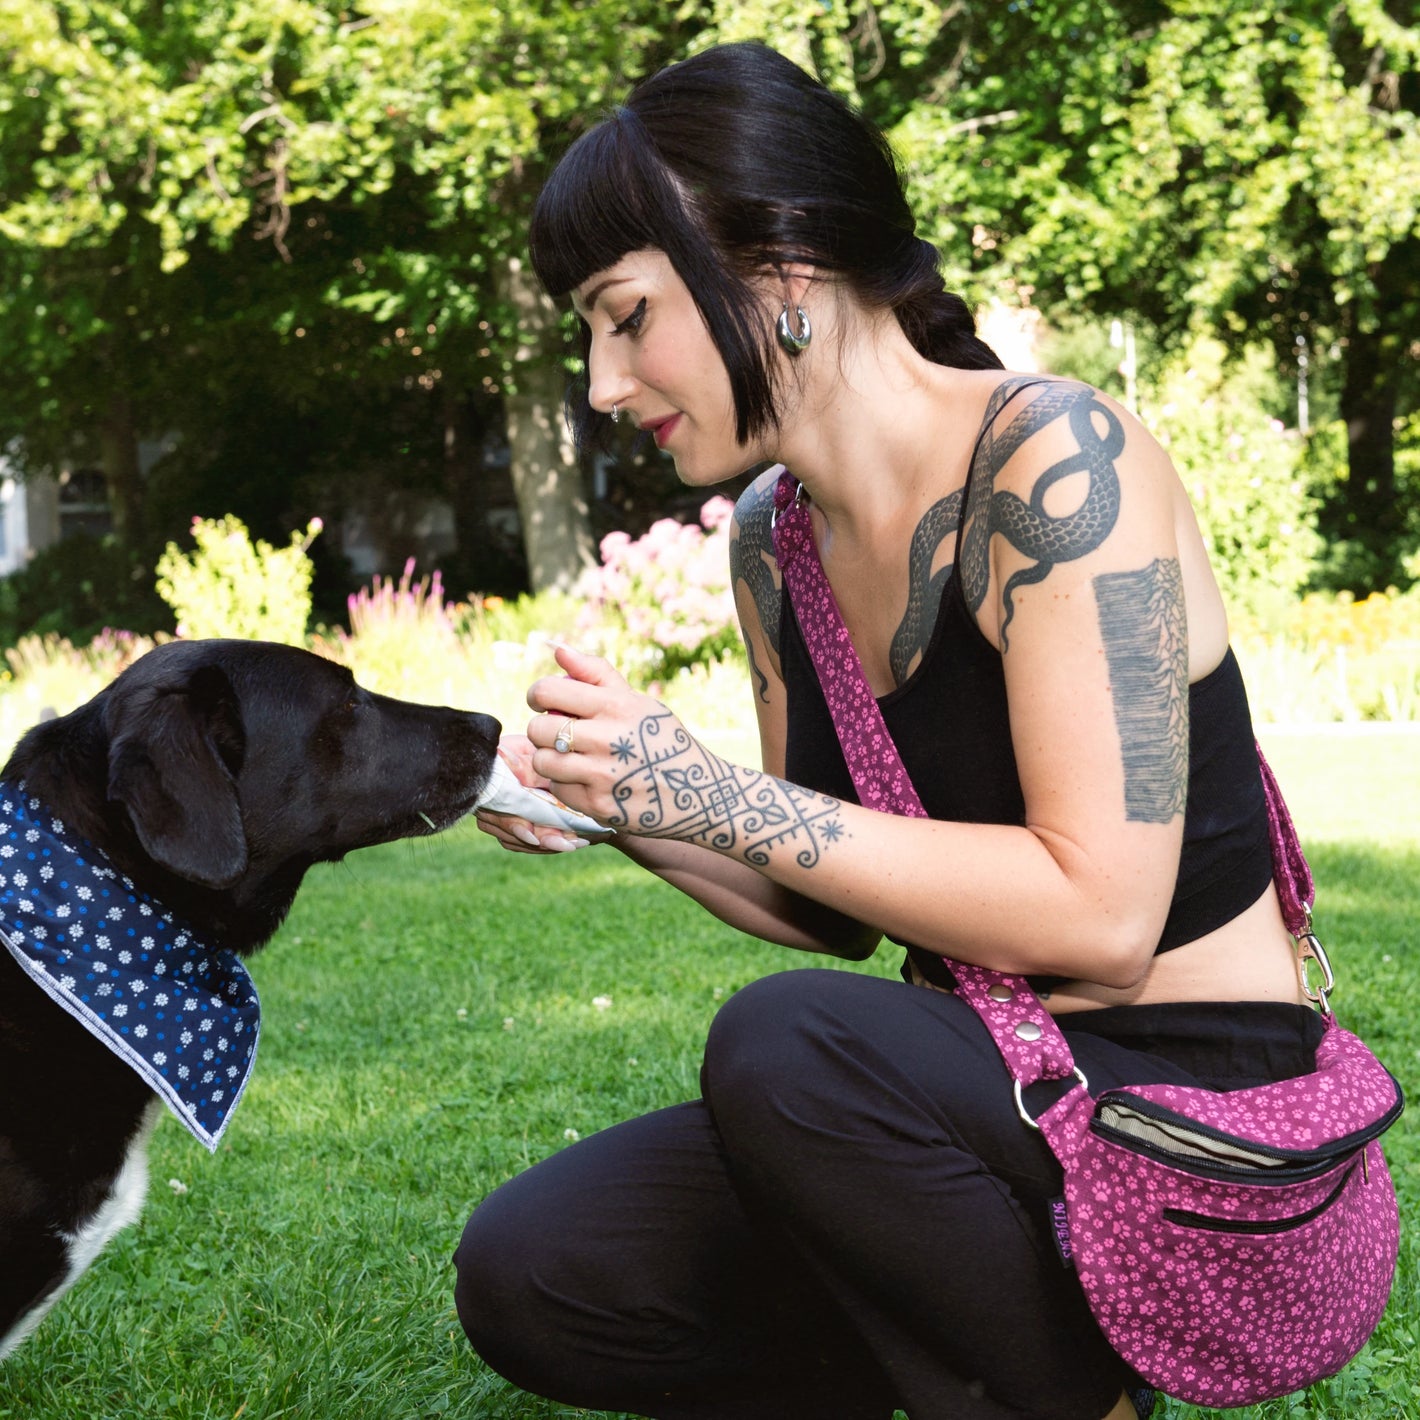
(145, 910)
(105, 988)
(177, 1185)
(62, 910)
(125, 957)
(183, 1072)
(138, 987)
(571, 1135)
(140, 1031)
(46, 872)
(186, 1037)
(22, 880)
(218, 1096)
(161, 999)
(84, 894)
(602, 1003)
(102, 943)
(160, 1057)
(120, 1009)
(67, 982)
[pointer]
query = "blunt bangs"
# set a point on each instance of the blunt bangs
(613, 193)
(608, 196)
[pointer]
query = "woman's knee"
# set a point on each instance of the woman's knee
(774, 1042)
(492, 1289)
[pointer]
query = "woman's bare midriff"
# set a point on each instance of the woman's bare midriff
(1251, 958)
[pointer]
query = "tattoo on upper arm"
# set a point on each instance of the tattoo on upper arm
(1145, 634)
(924, 587)
(697, 797)
(751, 540)
(1027, 526)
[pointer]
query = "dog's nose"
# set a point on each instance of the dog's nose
(486, 727)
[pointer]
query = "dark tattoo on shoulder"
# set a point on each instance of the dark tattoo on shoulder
(1027, 526)
(924, 587)
(697, 797)
(751, 543)
(1145, 635)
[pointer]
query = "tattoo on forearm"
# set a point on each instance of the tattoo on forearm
(1028, 527)
(1145, 634)
(924, 587)
(750, 543)
(695, 796)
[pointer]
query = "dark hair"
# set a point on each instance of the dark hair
(730, 162)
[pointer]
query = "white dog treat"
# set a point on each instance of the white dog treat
(503, 794)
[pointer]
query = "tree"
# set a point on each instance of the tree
(1207, 167)
(380, 158)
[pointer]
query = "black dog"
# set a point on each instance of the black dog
(210, 776)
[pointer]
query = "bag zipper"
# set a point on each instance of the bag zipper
(1209, 1222)
(1292, 1165)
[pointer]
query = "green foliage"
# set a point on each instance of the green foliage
(229, 586)
(1241, 470)
(661, 603)
(77, 587)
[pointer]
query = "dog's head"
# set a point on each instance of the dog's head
(230, 765)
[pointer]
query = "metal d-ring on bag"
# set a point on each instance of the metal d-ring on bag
(1233, 1246)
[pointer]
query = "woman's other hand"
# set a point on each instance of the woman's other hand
(518, 835)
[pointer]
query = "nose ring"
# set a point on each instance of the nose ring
(616, 414)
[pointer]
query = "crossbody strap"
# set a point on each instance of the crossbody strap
(1024, 1031)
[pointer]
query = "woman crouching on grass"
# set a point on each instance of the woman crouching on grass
(852, 1219)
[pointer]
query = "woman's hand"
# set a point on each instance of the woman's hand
(628, 761)
(518, 835)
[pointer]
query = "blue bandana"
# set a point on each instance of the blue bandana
(185, 1017)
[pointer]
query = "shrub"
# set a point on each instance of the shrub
(77, 587)
(229, 586)
(661, 603)
(1332, 657)
(1242, 470)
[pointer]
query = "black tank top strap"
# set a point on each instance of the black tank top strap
(992, 415)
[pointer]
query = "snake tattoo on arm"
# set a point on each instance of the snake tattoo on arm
(1027, 526)
(751, 545)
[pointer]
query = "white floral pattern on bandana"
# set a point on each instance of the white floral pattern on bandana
(184, 1016)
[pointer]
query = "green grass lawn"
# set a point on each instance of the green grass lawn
(440, 1015)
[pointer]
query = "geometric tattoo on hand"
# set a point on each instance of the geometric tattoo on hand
(1145, 635)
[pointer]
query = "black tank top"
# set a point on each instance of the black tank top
(950, 722)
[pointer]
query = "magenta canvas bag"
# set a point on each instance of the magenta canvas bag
(1233, 1246)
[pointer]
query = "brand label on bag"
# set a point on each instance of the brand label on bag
(1060, 1231)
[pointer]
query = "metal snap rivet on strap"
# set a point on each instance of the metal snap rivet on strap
(1000, 992)
(1028, 1030)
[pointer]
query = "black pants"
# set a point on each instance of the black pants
(851, 1221)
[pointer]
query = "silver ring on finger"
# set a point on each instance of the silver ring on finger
(563, 743)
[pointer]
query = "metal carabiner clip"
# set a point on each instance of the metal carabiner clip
(1309, 950)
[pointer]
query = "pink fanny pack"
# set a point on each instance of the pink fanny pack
(1233, 1246)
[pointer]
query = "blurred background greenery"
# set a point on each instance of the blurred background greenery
(264, 258)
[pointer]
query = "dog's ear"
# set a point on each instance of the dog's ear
(166, 765)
